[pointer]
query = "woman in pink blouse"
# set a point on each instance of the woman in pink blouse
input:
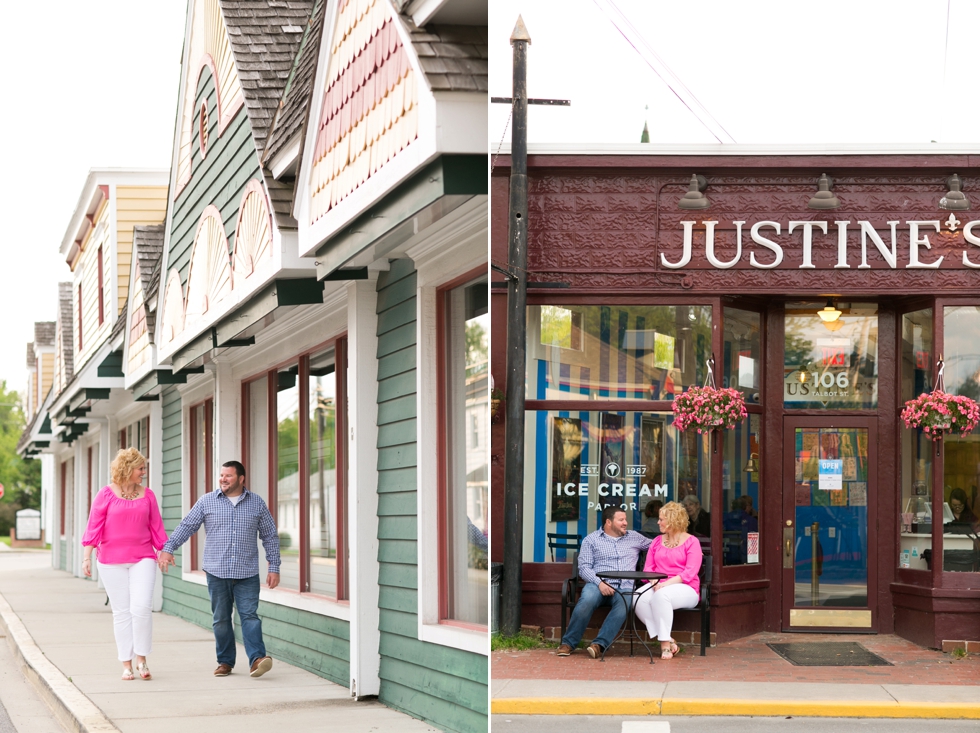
(126, 527)
(678, 555)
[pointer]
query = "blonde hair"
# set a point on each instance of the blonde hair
(676, 516)
(126, 461)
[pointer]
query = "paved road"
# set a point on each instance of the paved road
(671, 724)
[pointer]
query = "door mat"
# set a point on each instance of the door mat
(828, 654)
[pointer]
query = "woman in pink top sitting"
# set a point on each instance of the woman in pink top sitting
(678, 555)
(126, 527)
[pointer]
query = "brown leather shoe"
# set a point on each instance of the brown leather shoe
(223, 670)
(594, 650)
(564, 650)
(260, 666)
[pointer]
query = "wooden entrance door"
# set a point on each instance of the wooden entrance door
(828, 542)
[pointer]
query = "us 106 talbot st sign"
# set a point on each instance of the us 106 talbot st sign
(767, 245)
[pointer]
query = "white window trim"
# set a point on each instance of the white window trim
(459, 247)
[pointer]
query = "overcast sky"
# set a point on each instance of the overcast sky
(98, 87)
(86, 85)
(859, 71)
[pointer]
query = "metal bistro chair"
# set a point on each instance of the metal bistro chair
(563, 542)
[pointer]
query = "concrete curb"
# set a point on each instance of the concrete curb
(72, 708)
(760, 708)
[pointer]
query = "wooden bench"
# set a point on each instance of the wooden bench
(571, 591)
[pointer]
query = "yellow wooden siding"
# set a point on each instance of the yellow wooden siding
(59, 360)
(87, 274)
(47, 374)
(139, 342)
(135, 206)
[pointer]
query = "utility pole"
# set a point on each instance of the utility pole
(510, 616)
(510, 612)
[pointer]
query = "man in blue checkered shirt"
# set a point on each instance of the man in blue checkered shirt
(232, 519)
(614, 547)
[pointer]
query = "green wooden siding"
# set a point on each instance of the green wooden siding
(447, 687)
(218, 179)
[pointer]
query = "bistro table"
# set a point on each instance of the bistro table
(635, 593)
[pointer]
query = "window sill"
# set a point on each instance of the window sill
(466, 637)
(320, 605)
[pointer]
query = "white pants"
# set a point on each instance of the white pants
(130, 589)
(655, 608)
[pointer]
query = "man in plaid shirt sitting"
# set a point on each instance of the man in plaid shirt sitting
(614, 547)
(232, 519)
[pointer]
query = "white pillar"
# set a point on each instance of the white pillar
(362, 492)
(48, 503)
(226, 421)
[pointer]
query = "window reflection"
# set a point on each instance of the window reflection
(583, 461)
(287, 488)
(323, 475)
(741, 497)
(831, 365)
(616, 352)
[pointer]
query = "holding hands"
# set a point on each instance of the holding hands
(164, 560)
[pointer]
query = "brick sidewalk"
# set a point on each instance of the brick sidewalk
(745, 660)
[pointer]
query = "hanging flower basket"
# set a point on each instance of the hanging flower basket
(938, 412)
(707, 408)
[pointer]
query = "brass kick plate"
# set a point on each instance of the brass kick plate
(820, 617)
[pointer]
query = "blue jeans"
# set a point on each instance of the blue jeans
(244, 594)
(588, 602)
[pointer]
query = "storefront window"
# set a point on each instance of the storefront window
(325, 539)
(202, 468)
(466, 368)
(303, 407)
(616, 352)
(740, 488)
(917, 450)
(961, 453)
(255, 415)
(582, 462)
(743, 353)
(287, 472)
(831, 364)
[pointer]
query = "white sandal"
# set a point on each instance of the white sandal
(144, 671)
(127, 673)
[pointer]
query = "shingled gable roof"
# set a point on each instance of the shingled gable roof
(294, 109)
(148, 243)
(67, 342)
(453, 57)
(30, 355)
(265, 37)
(45, 332)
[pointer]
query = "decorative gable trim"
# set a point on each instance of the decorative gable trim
(173, 307)
(209, 277)
(253, 234)
(369, 110)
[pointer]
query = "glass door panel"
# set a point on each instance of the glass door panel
(828, 546)
(831, 517)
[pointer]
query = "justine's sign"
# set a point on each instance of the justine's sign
(767, 245)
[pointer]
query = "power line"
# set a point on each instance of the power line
(687, 98)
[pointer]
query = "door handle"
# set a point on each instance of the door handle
(789, 537)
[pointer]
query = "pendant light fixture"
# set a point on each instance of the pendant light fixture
(829, 313)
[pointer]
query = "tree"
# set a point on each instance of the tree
(20, 477)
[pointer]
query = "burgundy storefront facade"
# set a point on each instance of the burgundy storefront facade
(827, 304)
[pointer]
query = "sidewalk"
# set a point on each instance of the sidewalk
(742, 677)
(61, 631)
